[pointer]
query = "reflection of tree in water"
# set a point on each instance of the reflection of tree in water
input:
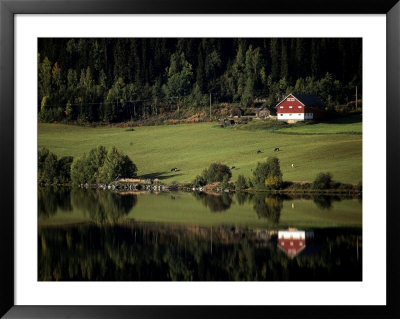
(241, 197)
(141, 252)
(216, 203)
(268, 206)
(103, 206)
(325, 202)
(51, 198)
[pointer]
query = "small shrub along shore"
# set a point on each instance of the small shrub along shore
(217, 172)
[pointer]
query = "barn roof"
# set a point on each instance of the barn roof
(309, 100)
(306, 99)
(271, 108)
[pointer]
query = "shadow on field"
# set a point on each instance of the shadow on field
(159, 175)
(356, 118)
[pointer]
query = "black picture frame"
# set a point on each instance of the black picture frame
(8, 8)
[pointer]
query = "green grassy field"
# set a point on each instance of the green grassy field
(324, 147)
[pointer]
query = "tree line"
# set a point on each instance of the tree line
(122, 79)
(99, 166)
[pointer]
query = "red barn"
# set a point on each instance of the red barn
(292, 242)
(300, 107)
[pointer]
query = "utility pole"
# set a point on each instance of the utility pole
(184, 95)
(211, 241)
(210, 106)
(356, 98)
(357, 248)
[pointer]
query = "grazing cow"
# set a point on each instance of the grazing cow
(233, 167)
(292, 165)
(174, 169)
(276, 149)
(258, 151)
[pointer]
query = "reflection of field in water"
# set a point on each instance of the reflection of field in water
(66, 206)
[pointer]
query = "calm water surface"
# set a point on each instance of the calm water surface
(101, 235)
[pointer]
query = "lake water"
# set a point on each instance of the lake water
(86, 234)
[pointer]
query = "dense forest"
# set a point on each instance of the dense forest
(118, 79)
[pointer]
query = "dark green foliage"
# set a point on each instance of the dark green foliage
(51, 170)
(241, 197)
(268, 174)
(116, 165)
(341, 186)
(325, 202)
(199, 181)
(42, 155)
(322, 181)
(78, 171)
(87, 168)
(96, 158)
(102, 207)
(268, 207)
(50, 199)
(102, 166)
(225, 182)
(64, 169)
(180, 255)
(197, 98)
(241, 183)
(296, 186)
(216, 203)
(216, 173)
(179, 75)
(115, 80)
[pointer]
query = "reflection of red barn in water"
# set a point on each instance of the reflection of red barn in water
(292, 242)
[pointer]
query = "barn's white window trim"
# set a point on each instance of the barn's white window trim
(281, 107)
(299, 106)
(290, 107)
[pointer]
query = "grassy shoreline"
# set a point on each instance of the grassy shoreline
(190, 188)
